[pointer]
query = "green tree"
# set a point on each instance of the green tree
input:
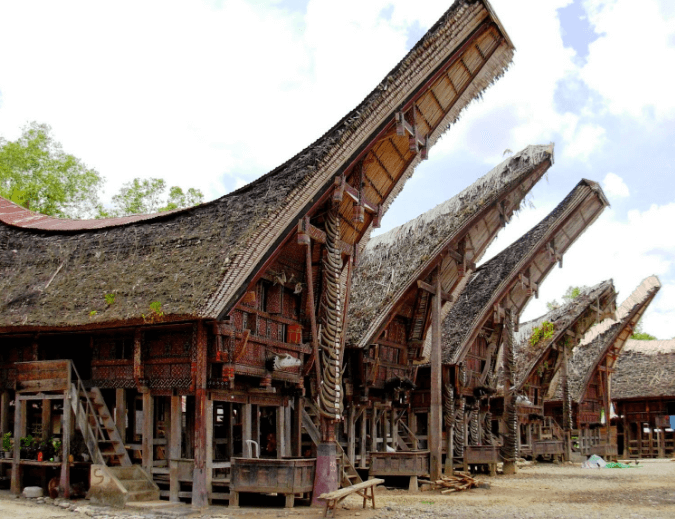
(570, 295)
(37, 174)
(640, 335)
(144, 196)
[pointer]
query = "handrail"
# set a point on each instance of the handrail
(412, 434)
(88, 411)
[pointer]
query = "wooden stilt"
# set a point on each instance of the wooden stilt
(281, 432)
(121, 412)
(364, 436)
(46, 419)
(296, 433)
(4, 412)
(19, 418)
(436, 416)
(148, 428)
(246, 428)
(351, 434)
(66, 429)
(174, 446)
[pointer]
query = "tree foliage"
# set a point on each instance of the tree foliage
(640, 335)
(37, 174)
(570, 295)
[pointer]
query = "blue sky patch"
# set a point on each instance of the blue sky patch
(575, 29)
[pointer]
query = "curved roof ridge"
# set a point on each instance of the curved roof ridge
(452, 205)
(16, 216)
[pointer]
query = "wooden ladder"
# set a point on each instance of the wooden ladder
(93, 419)
(348, 474)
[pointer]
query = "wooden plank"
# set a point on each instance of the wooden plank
(54, 384)
(432, 290)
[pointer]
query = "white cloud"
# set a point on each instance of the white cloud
(630, 64)
(614, 186)
(626, 250)
(582, 140)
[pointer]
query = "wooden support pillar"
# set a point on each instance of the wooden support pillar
(148, 428)
(19, 419)
(66, 430)
(373, 430)
(436, 412)
(203, 425)
(46, 419)
(450, 447)
(246, 428)
(364, 439)
(351, 434)
(4, 412)
(209, 447)
(175, 446)
(121, 412)
(296, 431)
(281, 431)
(386, 427)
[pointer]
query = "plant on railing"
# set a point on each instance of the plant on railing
(109, 299)
(28, 447)
(542, 333)
(7, 443)
(56, 449)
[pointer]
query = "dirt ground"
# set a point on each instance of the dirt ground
(538, 490)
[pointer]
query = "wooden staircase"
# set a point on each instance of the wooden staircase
(405, 440)
(117, 481)
(310, 423)
(100, 433)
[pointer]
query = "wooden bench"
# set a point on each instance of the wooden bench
(333, 498)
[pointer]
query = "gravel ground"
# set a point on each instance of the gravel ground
(538, 490)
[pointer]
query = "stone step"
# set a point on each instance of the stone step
(134, 485)
(143, 495)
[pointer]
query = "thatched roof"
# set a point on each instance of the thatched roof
(577, 316)
(498, 280)
(198, 262)
(645, 369)
(392, 262)
(605, 341)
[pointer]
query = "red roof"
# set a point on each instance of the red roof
(17, 216)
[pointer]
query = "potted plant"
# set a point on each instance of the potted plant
(7, 444)
(56, 445)
(27, 449)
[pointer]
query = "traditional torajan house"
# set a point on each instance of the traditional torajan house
(198, 328)
(482, 321)
(643, 394)
(589, 376)
(391, 308)
(541, 348)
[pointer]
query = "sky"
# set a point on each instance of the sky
(214, 93)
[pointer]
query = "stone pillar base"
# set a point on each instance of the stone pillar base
(326, 475)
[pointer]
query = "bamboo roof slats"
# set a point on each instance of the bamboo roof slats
(392, 263)
(590, 307)
(645, 369)
(604, 341)
(199, 261)
(498, 282)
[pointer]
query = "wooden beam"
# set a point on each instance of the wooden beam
(121, 412)
(432, 290)
(307, 231)
(148, 431)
